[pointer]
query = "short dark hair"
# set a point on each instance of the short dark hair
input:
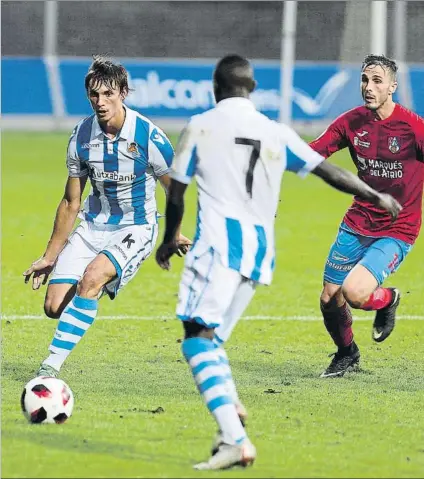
(234, 71)
(383, 61)
(105, 71)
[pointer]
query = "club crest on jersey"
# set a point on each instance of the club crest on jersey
(132, 148)
(394, 146)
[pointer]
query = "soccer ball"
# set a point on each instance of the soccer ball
(47, 400)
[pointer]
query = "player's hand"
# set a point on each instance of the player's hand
(388, 203)
(183, 245)
(164, 253)
(40, 271)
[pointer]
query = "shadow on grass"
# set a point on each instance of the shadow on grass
(67, 443)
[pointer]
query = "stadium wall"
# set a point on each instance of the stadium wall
(48, 93)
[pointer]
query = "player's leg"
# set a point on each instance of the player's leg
(122, 250)
(128, 248)
(344, 254)
(239, 303)
(362, 287)
(69, 268)
(206, 291)
(338, 322)
(241, 300)
(80, 313)
(58, 296)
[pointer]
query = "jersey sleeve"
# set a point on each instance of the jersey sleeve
(76, 167)
(331, 140)
(161, 152)
(419, 138)
(300, 157)
(185, 161)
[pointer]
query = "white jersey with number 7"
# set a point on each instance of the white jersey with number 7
(238, 157)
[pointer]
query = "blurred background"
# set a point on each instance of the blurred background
(306, 55)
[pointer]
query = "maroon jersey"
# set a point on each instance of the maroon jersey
(389, 156)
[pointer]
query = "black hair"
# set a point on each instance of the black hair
(105, 71)
(383, 61)
(234, 72)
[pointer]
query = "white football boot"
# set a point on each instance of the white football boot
(230, 455)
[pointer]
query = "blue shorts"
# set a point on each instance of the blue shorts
(381, 256)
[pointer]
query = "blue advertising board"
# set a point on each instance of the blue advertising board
(179, 89)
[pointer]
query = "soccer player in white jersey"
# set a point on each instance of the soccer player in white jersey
(238, 157)
(123, 154)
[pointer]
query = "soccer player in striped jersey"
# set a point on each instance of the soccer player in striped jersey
(238, 157)
(123, 154)
(386, 143)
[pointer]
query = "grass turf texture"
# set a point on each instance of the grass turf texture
(137, 412)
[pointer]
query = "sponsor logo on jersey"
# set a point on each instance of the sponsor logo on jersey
(86, 146)
(394, 146)
(364, 144)
(382, 169)
(362, 163)
(111, 175)
(362, 133)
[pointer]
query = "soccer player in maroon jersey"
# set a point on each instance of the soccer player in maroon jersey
(386, 143)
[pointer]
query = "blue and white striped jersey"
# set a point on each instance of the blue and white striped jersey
(238, 157)
(122, 171)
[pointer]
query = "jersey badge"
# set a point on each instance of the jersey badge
(132, 148)
(394, 146)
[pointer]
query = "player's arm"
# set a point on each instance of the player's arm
(173, 217)
(332, 139)
(183, 242)
(302, 159)
(66, 215)
(183, 169)
(345, 181)
(161, 155)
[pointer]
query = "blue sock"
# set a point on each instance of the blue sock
(75, 320)
(209, 376)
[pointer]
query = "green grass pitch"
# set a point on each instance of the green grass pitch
(137, 412)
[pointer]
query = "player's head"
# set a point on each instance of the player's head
(378, 81)
(106, 84)
(233, 76)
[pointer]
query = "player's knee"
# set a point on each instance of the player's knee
(91, 282)
(53, 309)
(354, 295)
(195, 330)
(331, 295)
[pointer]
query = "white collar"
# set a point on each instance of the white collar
(235, 100)
(126, 127)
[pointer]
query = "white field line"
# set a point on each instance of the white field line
(8, 317)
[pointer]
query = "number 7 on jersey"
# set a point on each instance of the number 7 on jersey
(256, 151)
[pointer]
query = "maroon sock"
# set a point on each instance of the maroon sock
(378, 300)
(338, 321)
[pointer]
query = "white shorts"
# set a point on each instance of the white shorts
(126, 246)
(212, 294)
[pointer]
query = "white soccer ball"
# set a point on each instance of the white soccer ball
(47, 400)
